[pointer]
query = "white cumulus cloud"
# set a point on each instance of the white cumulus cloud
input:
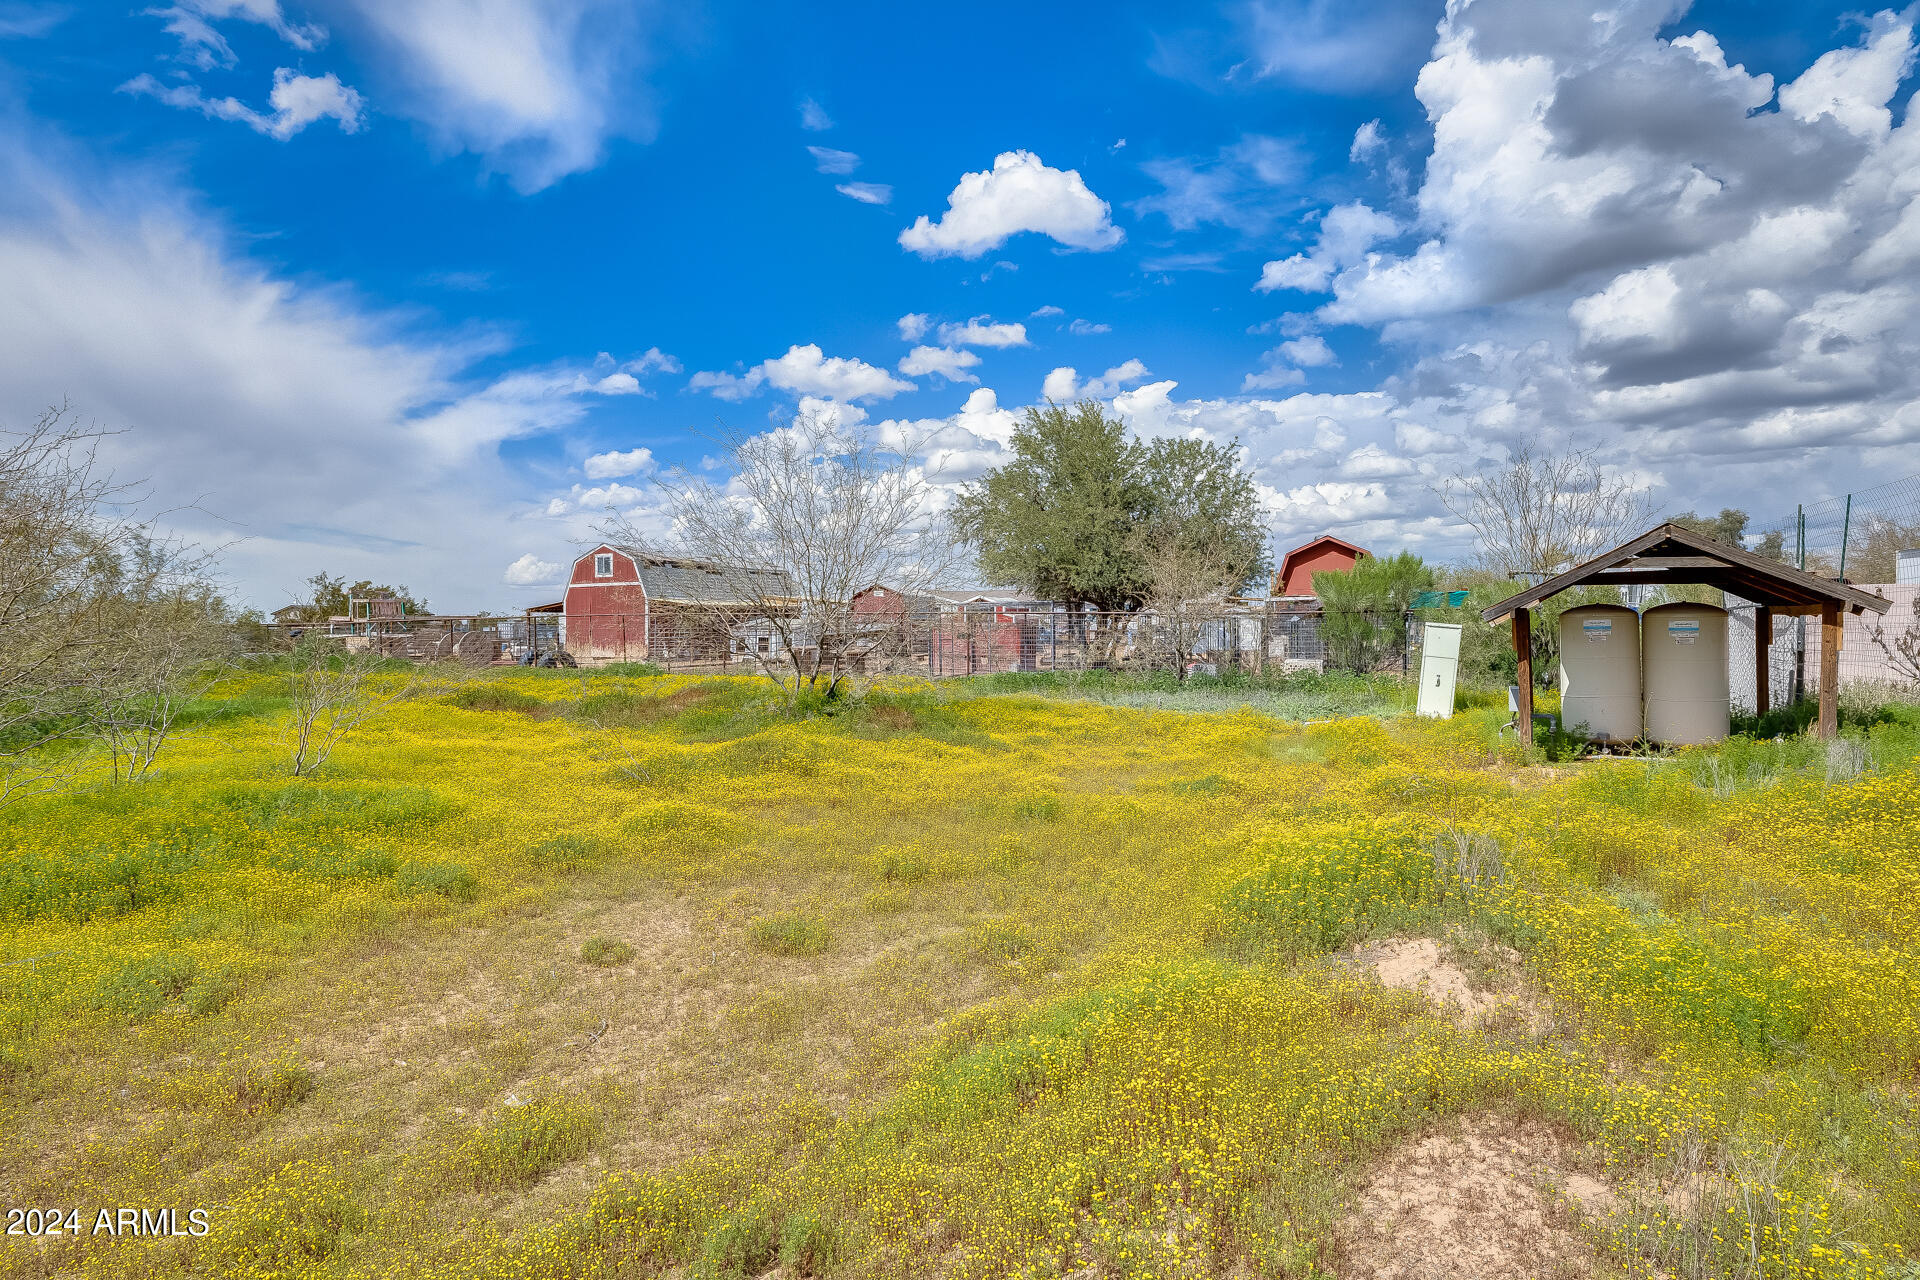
(948, 362)
(531, 571)
(981, 331)
(1347, 232)
(1063, 385)
(612, 465)
(805, 370)
(1020, 193)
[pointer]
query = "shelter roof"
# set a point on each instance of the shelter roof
(1669, 553)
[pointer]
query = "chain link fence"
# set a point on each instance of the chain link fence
(1879, 654)
(1857, 536)
(976, 641)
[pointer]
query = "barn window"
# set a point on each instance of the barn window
(603, 566)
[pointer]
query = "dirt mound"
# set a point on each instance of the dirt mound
(1472, 977)
(1488, 1198)
(1417, 964)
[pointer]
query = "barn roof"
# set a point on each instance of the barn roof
(1671, 553)
(1286, 561)
(672, 579)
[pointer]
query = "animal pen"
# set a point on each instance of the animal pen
(960, 641)
(385, 627)
(1669, 554)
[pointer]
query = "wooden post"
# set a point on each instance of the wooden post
(1830, 632)
(1762, 659)
(1523, 650)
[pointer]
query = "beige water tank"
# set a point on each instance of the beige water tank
(1683, 666)
(1600, 672)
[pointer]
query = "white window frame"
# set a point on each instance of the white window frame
(603, 565)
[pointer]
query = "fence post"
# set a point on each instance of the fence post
(1846, 527)
(1800, 623)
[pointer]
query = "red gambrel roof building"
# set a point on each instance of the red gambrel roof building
(1326, 553)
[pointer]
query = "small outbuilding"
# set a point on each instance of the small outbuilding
(1669, 554)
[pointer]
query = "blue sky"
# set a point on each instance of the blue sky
(419, 291)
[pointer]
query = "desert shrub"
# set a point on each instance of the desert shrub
(371, 864)
(602, 950)
(211, 990)
(447, 879)
(143, 987)
(268, 1088)
(759, 1235)
(568, 852)
(493, 697)
(1326, 886)
(905, 866)
(886, 902)
(791, 933)
(86, 881)
(284, 1224)
(520, 1145)
(335, 806)
(997, 940)
(1039, 807)
(250, 1087)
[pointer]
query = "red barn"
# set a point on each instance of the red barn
(1324, 554)
(629, 604)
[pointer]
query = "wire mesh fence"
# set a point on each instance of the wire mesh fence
(1857, 536)
(962, 642)
(1879, 654)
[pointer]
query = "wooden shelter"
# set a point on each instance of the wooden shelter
(1669, 554)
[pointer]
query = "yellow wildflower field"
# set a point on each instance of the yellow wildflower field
(562, 974)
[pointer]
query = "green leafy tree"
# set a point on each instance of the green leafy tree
(1071, 516)
(1730, 527)
(1366, 606)
(329, 596)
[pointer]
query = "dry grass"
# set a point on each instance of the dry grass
(980, 949)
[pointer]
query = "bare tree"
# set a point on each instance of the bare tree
(166, 653)
(1188, 580)
(1541, 513)
(1902, 648)
(334, 692)
(78, 568)
(807, 516)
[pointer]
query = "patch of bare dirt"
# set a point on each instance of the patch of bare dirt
(1489, 1198)
(1471, 977)
(1418, 964)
